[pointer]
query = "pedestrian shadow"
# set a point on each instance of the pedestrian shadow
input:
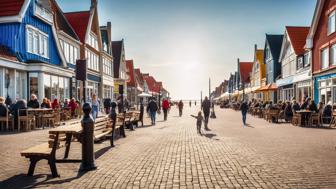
(210, 136)
(248, 125)
(102, 151)
(37, 181)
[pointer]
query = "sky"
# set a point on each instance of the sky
(183, 43)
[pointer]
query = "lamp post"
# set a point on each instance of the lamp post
(212, 115)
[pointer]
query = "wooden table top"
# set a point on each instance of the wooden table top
(75, 128)
(39, 109)
(304, 111)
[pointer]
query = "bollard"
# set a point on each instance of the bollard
(87, 140)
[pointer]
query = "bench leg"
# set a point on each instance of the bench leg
(53, 168)
(32, 166)
(67, 145)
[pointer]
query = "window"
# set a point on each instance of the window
(43, 13)
(300, 63)
(331, 23)
(306, 59)
(92, 60)
(92, 41)
(325, 58)
(107, 66)
(333, 54)
(37, 42)
(70, 52)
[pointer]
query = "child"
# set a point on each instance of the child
(199, 118)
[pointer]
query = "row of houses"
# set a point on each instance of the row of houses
(40, 45)
(297, 64)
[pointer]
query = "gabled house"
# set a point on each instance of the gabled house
(258, 73)
(245, 69)
(132, 84)
(321, 41)
(29, 37)
(295, 81)
(86, 26)
(119, 66)
(273, 67)
(70, 46)
(107, 61)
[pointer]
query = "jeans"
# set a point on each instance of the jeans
(152, 116)
(94, 112)
(206, 118)
(244, 117)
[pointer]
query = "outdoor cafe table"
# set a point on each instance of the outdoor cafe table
(38, 113)
(305, 117)
(69, 131)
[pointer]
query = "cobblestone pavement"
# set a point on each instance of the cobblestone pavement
(172, 155)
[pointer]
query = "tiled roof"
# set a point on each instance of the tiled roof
(61, 22)
(10, 7)
(274, 42)
(245, 68)
(139, 77)
(153, 86)
(130, 67)
(79, 22)
(7, 54)
(298, 36)
(116, 52)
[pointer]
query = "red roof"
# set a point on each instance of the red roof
(79, 22)
(5, 53)
(245, 68)
(138, 75)
(298, 36)
(10, 7)
(130, 67)
(153, 86)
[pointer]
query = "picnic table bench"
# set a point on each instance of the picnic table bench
(102, 128)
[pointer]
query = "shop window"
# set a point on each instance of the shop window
(325, 58)
(47, 87)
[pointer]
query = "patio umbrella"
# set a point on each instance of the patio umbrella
(144, 95)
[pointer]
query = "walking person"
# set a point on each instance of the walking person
(190, 103)
(244, 109)
(180, 107)
(107, 105)
(95, 107)
(165, 108)
(142, 109)
(199, 121)
(152, 108)
(206, 111)
(113, 117)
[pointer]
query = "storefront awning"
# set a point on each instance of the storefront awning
(285, 81)
(269, 87)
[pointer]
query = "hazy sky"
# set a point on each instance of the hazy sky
(184, 42)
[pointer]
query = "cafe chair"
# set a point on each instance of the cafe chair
(296, 120)
(48, 120)
(4, 122)
(25, 120)
(315, 119)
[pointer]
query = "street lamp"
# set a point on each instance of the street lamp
(212, 115)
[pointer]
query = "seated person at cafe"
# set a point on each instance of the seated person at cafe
(288, 112)
(3, 108)
(55, 104)
(19, 105)
(312, 106)
(45, 103)
(327, 113)
(295, 106)
(72, 105)
(33, 103)
(305, 104)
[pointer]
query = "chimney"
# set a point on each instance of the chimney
(109, 34)
(255, 47)
(94, 3)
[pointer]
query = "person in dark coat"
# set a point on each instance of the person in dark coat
(45, 103)
(107, 105)
(180, 107)
(295, 106)
(19, 105)
(305, 104)
(312, 106)
(327, 113)
(8, 102)
(3, 108)
(152, 108)
(288, 112)
(206, 105)
(33, 103)
(113, 116)
(142, 109)
(244, 108)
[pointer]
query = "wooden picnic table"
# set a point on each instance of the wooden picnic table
(38, 113)
(305, 115)
(69, 131)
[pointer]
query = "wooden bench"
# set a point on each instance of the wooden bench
(102, 127)
(43, 151)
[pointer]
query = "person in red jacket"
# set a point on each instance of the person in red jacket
(165, 108)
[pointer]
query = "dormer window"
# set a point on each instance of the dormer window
(43, 13)
(92, 41)
(332, 23)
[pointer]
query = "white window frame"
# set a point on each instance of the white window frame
(331, 23)
(333, 54)
(326, 64)
(34, 44)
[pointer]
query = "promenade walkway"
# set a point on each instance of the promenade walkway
(172, 155)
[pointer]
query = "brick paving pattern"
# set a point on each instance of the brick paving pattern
(172, 155)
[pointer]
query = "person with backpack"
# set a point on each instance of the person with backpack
(180, 107)
(152, 108)
(165, 108)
